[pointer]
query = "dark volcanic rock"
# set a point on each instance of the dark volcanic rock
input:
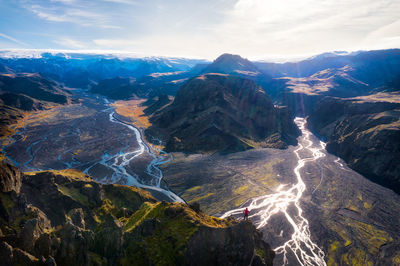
(219, 246)
(365, 134)
(217, 112)
(10, 178)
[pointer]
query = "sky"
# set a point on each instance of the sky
(256, 29)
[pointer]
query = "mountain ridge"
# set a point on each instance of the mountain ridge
(218, 104)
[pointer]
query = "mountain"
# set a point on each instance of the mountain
(149, 86)
(65, 218)
(155, 104)
(232, 64)
(219, 112)
(115, 88)
(364, 63)
(301, 85)
(20, 93)
(365, 132)
(80, 70)
(34, 86)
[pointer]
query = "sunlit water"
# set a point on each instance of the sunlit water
(119, 163)
(288, 196)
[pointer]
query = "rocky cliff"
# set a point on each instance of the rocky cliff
(365, 133)
(65, 218)
(219, 112)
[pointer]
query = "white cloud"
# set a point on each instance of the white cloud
(71, 43)
(252, 28)
(73, 12)
(12, 39)
(49, 16)
(260, 27)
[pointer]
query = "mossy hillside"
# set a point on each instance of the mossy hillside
(176, 224)
(126, 196)
(74, 194)
(77, 190)
(80, 222)
(74, 174)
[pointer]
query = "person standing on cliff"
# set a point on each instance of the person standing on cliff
(246, 213)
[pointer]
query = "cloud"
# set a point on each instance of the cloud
(252, 28)
(117, 43)
(72, 11)
(257, 27)
(389, 30)
(127, 2)
(49, 16)
(12, 39)
(70, 43)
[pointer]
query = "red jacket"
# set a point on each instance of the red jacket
(246, 211)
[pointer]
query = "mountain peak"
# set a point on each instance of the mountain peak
(229, 113)
(230, 63)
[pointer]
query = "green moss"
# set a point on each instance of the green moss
(72, 174)
(74, 194)
(6, 201)
(127, 197)
(260, 252)
(105, 209)
(333, 251)
(139, 215)
(358, 257)
(167, 243)
(371, 235)
(347, 243)
(193, 189)
(201, 197)
(241, 189)
(367, 205)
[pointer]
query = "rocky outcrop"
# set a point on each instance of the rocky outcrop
(366, 134)
(211, 246)
(56, 219)
(218, 112)
(10, 178)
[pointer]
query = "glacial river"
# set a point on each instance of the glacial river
(286, 198)
(120, 161)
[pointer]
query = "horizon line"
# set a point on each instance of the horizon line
(273, 58)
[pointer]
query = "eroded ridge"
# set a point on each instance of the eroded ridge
(264, 207)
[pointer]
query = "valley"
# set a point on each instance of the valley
(221, 137)
(90, 137)
(310, 210)
(314, 206)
